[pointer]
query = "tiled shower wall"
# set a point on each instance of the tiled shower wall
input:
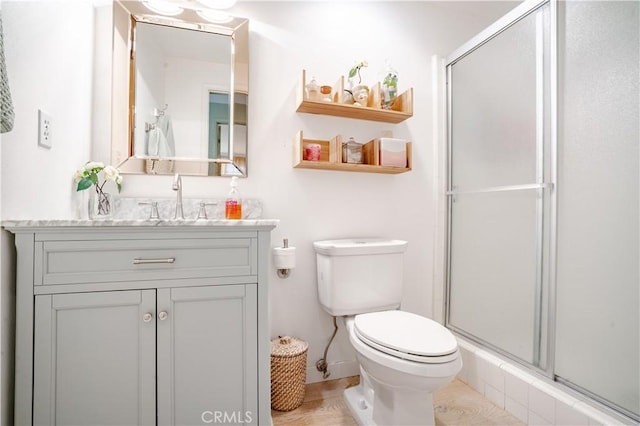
(532, 399)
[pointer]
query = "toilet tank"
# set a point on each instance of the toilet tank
(359, 275)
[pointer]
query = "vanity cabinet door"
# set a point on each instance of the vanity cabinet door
(207, 355)
(94, 358)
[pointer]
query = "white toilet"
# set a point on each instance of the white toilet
(403, 357)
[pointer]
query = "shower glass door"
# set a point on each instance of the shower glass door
(543, 229)
(544, 194)
(598, 321)
(497, 135)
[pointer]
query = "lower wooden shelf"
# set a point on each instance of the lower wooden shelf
(331, 158)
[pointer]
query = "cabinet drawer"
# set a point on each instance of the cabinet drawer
(74, 262)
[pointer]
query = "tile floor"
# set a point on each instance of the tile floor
(456, 404)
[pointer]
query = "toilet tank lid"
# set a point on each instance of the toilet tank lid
(359, 246)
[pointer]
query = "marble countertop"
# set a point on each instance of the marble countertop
(56, 223)
(130, 213)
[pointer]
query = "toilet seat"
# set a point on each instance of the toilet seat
(407, 336)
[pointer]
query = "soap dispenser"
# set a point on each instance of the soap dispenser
(233, 203)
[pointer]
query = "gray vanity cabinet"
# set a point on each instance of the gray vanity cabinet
(207, 354)
(136, 325)
(94, 359)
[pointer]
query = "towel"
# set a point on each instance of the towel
(164, 123)
(157, 143)
(6, 107)
(160, 142)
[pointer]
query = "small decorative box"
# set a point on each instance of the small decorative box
(393, 152)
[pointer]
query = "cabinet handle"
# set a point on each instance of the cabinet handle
(147, 317)
(138, 261)
(163, 316)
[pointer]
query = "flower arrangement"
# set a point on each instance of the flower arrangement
(359, 93)
(87, 176)
(391, 79)
(389, 88)
(356, 70)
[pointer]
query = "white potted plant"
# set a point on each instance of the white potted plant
(101, 203)
(360, 92)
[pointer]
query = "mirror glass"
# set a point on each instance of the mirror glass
(187, 94)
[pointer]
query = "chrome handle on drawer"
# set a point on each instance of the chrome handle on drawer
(138, 261)
(163, 315)
(147, 317)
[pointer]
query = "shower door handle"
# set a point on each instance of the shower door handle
(547, 185)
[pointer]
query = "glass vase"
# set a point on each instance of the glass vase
(100, 205)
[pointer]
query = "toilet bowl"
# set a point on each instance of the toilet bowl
(403, 357)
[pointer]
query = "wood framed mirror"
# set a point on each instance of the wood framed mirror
(175, 79)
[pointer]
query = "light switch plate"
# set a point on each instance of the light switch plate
(44, 129)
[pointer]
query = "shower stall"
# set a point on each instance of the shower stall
(543, 191)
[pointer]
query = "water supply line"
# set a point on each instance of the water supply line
(321, 364)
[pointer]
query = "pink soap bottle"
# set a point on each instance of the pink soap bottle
(233, 203)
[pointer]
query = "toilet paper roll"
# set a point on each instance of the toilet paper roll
(284, 257)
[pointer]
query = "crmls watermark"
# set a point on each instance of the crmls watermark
(226, 417)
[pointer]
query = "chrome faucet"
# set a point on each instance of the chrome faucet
(177, 186)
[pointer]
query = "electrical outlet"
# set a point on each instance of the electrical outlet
(44, 129)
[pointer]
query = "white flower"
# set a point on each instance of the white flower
(93, 165)
(89, 176)
(79, 175)
(111, 173)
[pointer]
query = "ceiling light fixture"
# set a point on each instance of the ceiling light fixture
(163, 7)
(218, 4)
(215, 16)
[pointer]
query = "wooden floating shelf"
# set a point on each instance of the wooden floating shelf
(401, 108)
(350, 111)
(331, 157)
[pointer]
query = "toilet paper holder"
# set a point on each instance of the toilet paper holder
(284, 259)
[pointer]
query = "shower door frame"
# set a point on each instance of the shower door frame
(518, 13)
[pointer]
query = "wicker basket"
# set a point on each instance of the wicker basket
(288, 372)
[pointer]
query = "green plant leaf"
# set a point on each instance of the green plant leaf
(84, 183)
(94, 178)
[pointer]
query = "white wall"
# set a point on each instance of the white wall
(49, 63)
(324, 38)
(50, 66)
(315, 205)
(187, 84)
